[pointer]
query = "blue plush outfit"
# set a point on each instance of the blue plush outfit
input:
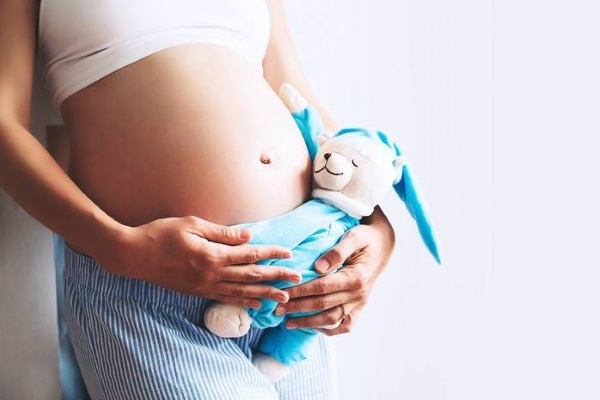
(308, 231)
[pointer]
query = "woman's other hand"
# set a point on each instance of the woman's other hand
(364, 250)
(194, 256)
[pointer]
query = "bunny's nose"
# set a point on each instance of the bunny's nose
(327, 155)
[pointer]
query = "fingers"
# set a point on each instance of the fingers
(258, 273)
(227, 243)
(350, 243)
(324, 285)
(230, 235)
(248, 254)
(331, 316)
(345, 326)
(254, 291)
(245, 302)
(317, 303)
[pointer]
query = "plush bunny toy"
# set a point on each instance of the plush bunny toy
(352, 171)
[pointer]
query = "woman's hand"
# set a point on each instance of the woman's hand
(364, 250)
(197, 257)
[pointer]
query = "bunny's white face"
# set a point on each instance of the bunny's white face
(333, 171)
(356, 167)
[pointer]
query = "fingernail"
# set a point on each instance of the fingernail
(256, 305)
(279, 311)
(282, 298)
(245, 234)
(322, 265)
(291, 325)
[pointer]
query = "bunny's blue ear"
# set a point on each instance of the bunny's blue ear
(409, 191)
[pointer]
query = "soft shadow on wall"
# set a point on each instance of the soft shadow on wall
(28, 332)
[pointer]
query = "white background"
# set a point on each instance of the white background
(497, 105)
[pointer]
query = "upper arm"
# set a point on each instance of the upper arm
(282, 64)
(17, 49)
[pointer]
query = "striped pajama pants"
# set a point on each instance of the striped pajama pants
(135, 340)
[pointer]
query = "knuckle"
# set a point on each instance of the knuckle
(331, 319)
(362, 293)
(301, 291)
(252, 255)
(275, 253)
(359, 288)
(294, 291)
(238, 291)
(210, 277)
(323, 303)
(252, 276)
(355, 283)
(194, 221)
(257, 254)
(190, 219)
(359, 281)
(225, 232)
(286, 273)
(321, 287)
(212, 260)
(279, 274)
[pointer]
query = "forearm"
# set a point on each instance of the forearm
(38, 185)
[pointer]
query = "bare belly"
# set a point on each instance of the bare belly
(191, 130)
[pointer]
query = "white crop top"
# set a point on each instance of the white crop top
(81, 41)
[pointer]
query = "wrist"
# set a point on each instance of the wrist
(112, 247)
(104, 239)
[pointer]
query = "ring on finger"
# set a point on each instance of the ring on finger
(344, 313)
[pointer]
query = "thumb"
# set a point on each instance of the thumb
(230, 235)
(338, 254)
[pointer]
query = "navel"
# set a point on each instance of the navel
(265, 159)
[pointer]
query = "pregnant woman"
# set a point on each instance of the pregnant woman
(176, 133)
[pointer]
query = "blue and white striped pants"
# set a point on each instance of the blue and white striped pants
(136, 340)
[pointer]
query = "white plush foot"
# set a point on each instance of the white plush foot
(270, 367)
(227, 320)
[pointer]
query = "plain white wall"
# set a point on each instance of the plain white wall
(496, 104)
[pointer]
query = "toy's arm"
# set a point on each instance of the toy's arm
(306, 116)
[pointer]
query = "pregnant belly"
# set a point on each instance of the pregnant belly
(190, 130)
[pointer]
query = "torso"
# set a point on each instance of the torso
(190, 130)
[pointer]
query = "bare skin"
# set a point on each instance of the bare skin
(165, 154)
(190, 130)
